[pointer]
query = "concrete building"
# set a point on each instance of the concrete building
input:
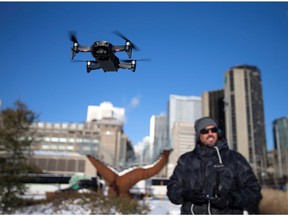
(280, 135)
(213, 105)
(183, 111)
(61, 147)
(183, 108)
(158, 134)
(183, 138)
(244, 115)
(159, 138)
(83, 138)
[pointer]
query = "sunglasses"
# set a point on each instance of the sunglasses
(206, 131)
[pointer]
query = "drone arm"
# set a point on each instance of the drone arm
(84, 49)
(76, 49)
(130, 66)
(118, 48)
(127, 48)
(124, 65)
(92, 65)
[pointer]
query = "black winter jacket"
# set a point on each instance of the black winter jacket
(210, 170)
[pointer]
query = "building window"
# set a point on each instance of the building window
(48, 125)
(53, 147)
(40, 125)
(54, 139)
(71, 140)
(62, 139)
(70, 148)
(45, 147)
(57, 125)
(61, 147)
(46, 139)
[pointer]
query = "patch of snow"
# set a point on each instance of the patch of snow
(158, 206)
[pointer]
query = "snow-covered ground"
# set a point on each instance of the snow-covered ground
(163, 207)
(158, 206)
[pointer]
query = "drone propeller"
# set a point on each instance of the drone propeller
(74, 49)
(78, 61)
(126, 39)
(130, 60)
(73, 37)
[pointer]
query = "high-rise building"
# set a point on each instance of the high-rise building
(112, 147)
(159, 138)
(244, 115)
(280, 135)
(158, 134)
(113, 142)
(183, 111)
(183, 108)
(213, 105)
(183, 138)
(272, 168)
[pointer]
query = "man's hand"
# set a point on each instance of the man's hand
(222, 200)
(195, 196)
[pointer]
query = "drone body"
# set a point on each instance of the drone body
(104, 54)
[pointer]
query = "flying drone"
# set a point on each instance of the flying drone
(104, 54)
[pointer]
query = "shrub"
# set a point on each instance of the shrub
(86, 203)
(274, 202)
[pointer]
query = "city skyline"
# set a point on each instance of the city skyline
(190, 44)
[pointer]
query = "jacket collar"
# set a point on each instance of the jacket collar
(206, 151)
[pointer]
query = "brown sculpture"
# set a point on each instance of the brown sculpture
(120, 183)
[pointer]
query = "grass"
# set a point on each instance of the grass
(274, 202)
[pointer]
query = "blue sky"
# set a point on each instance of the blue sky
(190, 44)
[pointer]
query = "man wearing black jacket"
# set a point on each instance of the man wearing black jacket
(212, 179)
